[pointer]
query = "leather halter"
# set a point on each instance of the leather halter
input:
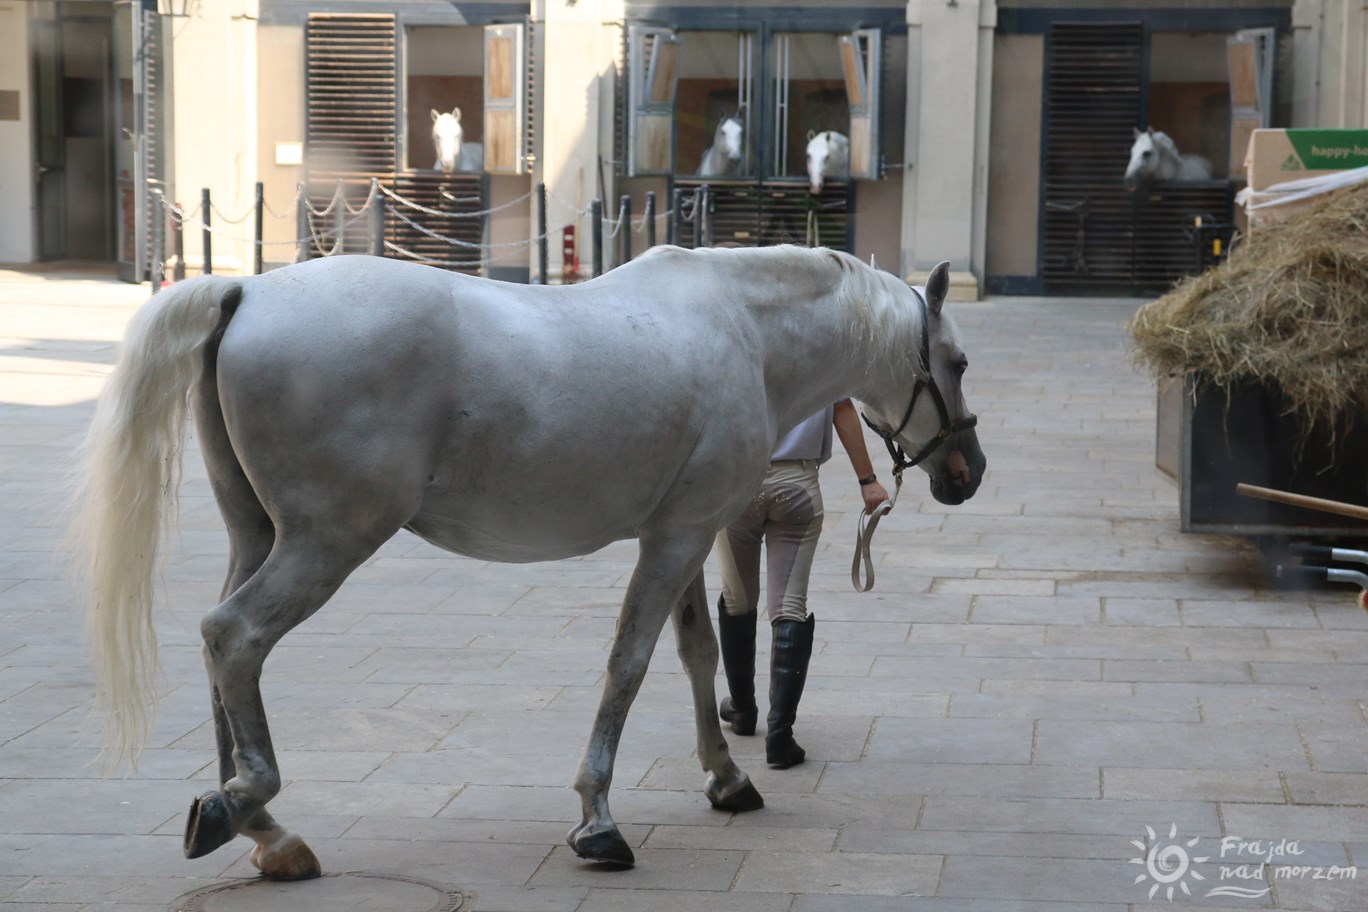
(928, 383)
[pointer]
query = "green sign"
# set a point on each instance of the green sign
(1329, 150)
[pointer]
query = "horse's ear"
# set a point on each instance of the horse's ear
(435, 115)
(1136, 131)
(456, 113)
(937, 286)
(811, 136)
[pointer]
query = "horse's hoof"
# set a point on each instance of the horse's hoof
(289, 859)
(740, 799)
(208, 826)
(605, 846)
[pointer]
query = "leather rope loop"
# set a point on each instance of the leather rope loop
(864, 537)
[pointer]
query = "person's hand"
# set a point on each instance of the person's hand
(873, 494)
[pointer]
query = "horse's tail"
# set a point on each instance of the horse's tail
(128, 475)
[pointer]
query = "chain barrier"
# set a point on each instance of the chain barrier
(617, 222)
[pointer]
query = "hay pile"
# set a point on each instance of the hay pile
(1290, 307)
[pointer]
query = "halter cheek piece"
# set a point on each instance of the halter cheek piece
(928, 383)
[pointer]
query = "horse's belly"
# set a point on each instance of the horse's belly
(518, 536)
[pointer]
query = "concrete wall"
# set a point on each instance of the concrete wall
(16, 145)
(1014, 160)
(1329, 64)
(280, 121)
(213, 123)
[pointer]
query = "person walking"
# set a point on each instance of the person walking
(786, 517)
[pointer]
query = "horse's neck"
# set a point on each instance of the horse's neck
(824, 346)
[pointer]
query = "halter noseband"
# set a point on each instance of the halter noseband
(948, 427)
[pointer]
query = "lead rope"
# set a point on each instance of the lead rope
(864, 536)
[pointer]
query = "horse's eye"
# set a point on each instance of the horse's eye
(1145, 154)
(961, 366)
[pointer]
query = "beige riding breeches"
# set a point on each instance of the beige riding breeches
(786, 516)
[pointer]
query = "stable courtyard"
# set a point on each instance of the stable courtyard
(1046, 682)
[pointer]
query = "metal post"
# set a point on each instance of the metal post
(178, 241)
(543, 252)
(703, 216)
(650, 219)
(596, 235)
(672, 227)
(377, 219)
(260, 211)
(156, 268)
(303, 232)
(207, 240)
(340, 219)
(625, 228)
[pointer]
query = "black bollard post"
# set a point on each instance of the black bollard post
(703, 216)
(673, 235)
(207, 238)
(625, 228)
(303, 233)
(377, 220)
(156, 264)
(650, 219)
(596, 232)
(340, 219)
(178, 241)
(543, 251)
(260, 212)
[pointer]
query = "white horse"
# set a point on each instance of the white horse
(724, 155)
(1155, 156)
(828, 155)
(504, 422)
(452, 153)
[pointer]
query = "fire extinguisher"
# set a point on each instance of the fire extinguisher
(569, 256)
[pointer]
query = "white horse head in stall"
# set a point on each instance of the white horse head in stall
(724, 155)
(1155, 156)
(828, 155)
(447, 134)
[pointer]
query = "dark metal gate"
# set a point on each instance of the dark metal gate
(764, 213)
(1097, 237)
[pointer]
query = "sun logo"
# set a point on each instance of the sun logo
(1167, 862)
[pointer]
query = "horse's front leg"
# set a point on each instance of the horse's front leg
(728, 788)
(668, 560)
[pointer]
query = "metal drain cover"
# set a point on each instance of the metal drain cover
(355, 891)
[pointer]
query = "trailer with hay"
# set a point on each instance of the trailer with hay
(1262, 364)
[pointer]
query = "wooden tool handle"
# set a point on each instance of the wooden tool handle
(1301, 500)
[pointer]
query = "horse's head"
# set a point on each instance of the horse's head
(728, 137)
(447, 134)
(936, 424)
(828, 155)
(1148, 155)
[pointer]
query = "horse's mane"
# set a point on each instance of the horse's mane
(881, 305)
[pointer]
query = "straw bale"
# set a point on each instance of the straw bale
(1289, 307)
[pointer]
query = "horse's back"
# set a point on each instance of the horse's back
(484, 403)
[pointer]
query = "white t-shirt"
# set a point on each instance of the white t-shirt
(811, 439)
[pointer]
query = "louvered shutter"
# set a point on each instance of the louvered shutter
(505, 105)
(351, 120)
(653, 75)
(860, 68)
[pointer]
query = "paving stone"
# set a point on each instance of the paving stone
(657, 869)
(951, 741)
(1327, 788)
(859, 903)
(840, 872)
(1072, 706)
(1269, 821)
(871, 777)
(1258, 786)
(1164, 745)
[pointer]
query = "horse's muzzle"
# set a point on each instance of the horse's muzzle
(959, 477)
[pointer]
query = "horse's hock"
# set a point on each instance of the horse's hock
(352, 890)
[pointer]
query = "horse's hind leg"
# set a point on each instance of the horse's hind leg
(294, 581)
(728, 788)
(250, 530)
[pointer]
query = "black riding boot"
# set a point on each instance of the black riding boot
(736, 634)
(788, 673)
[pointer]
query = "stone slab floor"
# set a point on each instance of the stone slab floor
(1039, 676)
